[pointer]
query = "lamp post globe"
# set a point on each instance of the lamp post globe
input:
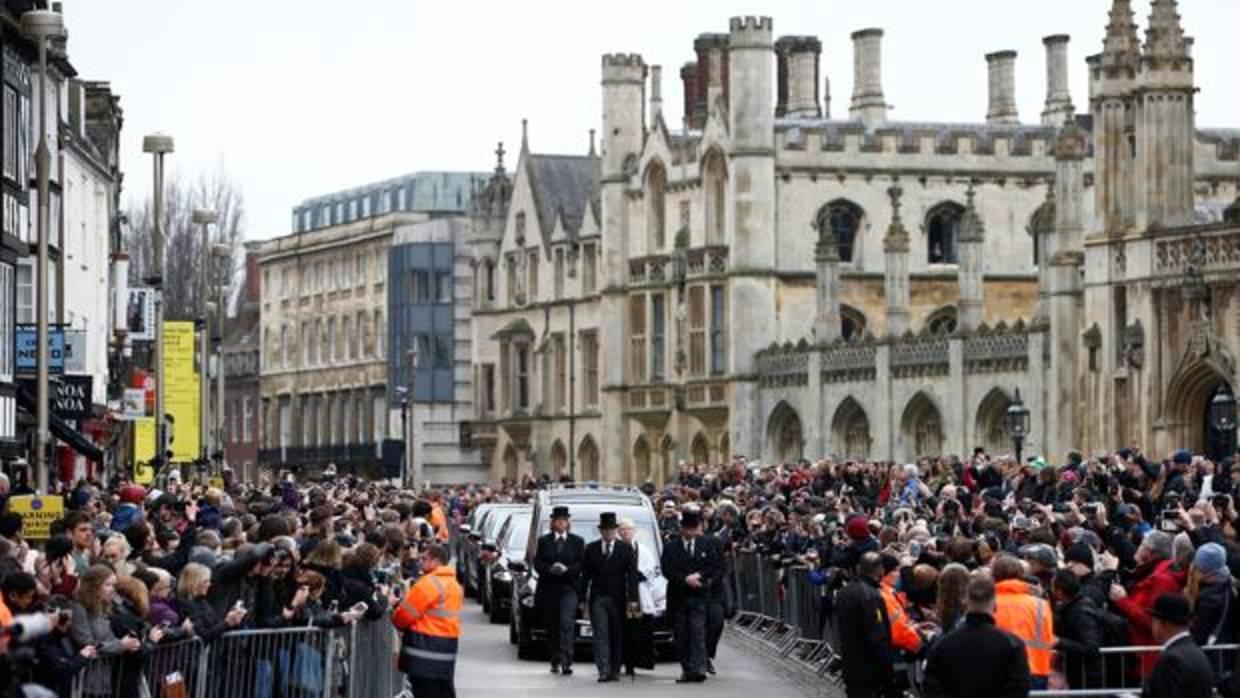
(1016, 421)
(43, 24)
(1223, 410)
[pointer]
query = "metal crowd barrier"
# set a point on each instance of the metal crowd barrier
(176, 664)
(280, 663)
(374, 649)
(1120, 671)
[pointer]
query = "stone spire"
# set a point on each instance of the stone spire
(827, 323)
(895, 269)
(1164, 38)
(1121, 45)
(972, 267)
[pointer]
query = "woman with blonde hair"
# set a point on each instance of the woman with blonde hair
(192, 588)
(92, 627)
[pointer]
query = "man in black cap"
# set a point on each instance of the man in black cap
(1182, 670)
(693, 565)
(611, 564)
(558, 563)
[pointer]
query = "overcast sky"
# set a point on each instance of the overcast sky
(297, 98)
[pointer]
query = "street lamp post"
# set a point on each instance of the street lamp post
(42, 25)
(204, 218)
(1016, 419)
(1223, 413)
(158, 145)
(222, 253)
(411, 431)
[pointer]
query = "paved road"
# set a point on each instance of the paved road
(487, 667)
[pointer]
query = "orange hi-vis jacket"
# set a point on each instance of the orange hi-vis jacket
(439, 522)
(429, 619)
(904, 634)
(1029, 618)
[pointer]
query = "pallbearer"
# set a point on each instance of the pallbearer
(558, 563)
(611, 565)
(693, 565)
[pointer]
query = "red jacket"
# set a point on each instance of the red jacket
(1136, 607)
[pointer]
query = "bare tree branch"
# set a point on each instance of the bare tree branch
(184, 255)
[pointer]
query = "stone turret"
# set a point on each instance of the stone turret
(1066, 290)
(1164, 123)
(895, 269)
(1112, 75)
(868, 104)
(656, 93)
(971, 270)
(1058, 109)
(1001, 70)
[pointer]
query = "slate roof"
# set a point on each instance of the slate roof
(565, 185)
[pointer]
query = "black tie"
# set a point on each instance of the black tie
(608, 553)
(559, 545)
(690, 548)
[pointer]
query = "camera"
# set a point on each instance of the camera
(1169, 521)
(1090, 509)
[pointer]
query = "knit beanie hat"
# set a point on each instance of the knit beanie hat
(1079, 552)
(1211, 559)
(857, 527)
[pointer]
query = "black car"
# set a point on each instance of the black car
(497, 579)
(481, 544)
(469, 543)
(585, 502)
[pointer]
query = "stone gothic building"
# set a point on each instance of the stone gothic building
(769, 281)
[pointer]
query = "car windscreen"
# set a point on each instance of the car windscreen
(491, 527)
(585, 522)
(518, 532)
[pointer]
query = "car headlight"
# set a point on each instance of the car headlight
(527, 601)
(502, 576)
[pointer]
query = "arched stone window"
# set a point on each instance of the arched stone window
(784, 434)
(700, 450)
(1041, 226)
(843, 218)
(559, 460)
(587, 460)
(943, 233)
(851, 430)
(942, 321)
(715, 184)
(921, 429)
(656, 206)
(852, 322)
(641, 461)
(989, 431)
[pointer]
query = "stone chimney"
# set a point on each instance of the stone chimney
(1059, 109)
(798, 76)
(688, 81)
(868, 105)
(1002, 69)
(656, 92)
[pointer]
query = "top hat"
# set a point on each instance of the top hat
(607, 520)
(559, 512)
(1172, 609)
(690, 519)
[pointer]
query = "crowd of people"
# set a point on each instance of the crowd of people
(1035, 567)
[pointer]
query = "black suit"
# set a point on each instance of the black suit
(977, 659)
(1182, 671)
(689, 605)
(556, 595)
(606, 580)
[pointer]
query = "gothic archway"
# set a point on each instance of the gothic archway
(559, 459)
(667, 460)
(715, 183)
(587, 460)
(512, 464)
(700, 450)
(989, 431)
(921, 428)
(725, 449)
(850, 431)
(1188, 404)
(656, 207)
(943, 232)
(784, 435)
(843, 218)
(641, 461)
